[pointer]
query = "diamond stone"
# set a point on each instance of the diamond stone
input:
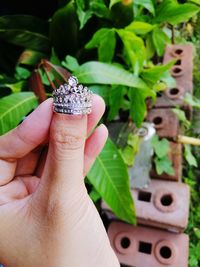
(73, 81)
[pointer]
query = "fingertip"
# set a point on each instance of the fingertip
(103, 130)
(98, 109)
(97, 101)
(37, 124)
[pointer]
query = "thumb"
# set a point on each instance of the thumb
(63, 171)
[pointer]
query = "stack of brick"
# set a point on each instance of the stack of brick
(163, 208)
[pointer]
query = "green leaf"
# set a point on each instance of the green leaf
(148, 4)
(97, 37)
(161, 147)
(174, 13)
(150, 48)
(85, 10)
(113, 2)
(26, 31)
(139, 27)
(181, 116)
(189, 156)
(160, 40)
(22, 73)
(102, 90)
(83, 16)
(138, 105)
(13, 108)
(135, 50)
(64, 30)
(16, 87)
(192, 101)
(99, 8)
(115, 99)
(164, 165)
(128, 155)
(110, 178)
(132, 148)
(70, 63)
(156, 73)
(94, 72)
(105, 40)
(30, 57)
(94, 195)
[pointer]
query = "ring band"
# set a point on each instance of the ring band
(72, 98)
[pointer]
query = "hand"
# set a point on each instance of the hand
(46, 215)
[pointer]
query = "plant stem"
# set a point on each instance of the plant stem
(188, 140)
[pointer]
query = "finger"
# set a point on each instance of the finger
(64, 164)
(29, 134)
(19, 188)
(28, 164)
(93, 119)
(12, 191)
(96, 114)
(93, 146)
(23, 139)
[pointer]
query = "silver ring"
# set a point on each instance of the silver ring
(72, 98)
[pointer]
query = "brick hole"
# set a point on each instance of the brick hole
(145, 247)
(125, 242)
(178, 62)
(157, 121)
(159, 94)
(165, 252)
(177, 70)
(178, 51)
(166, 200)
(174, 91)
(144, 196)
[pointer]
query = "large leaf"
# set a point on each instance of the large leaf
(160, 40)
(115, 100)
(105, 40)
(13, 108)
(64, 30)
(134, 49)
(156, 73)
(25, 31)
(140, 27)
(172, 12)
(138, 105)
(94, 72)
(110, 178)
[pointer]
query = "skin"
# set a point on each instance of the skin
(46, 215)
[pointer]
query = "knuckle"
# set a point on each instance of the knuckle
(69, 140)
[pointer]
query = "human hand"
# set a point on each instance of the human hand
(46, 215)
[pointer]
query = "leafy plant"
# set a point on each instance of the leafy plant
(115, 47)
(161, 158)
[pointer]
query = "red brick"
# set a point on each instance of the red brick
(163, 204)
(165, 121)
(146, 247)
(184, 56)
(175, 155)
(182, 72)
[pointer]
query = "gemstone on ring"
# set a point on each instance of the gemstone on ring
(72, 98)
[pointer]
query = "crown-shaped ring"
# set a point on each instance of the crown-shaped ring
(72, 98)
